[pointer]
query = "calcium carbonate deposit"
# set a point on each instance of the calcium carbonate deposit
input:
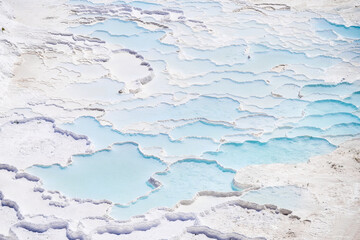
(179, 119)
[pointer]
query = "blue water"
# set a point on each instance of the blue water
(354, 99)
(305, 131)
(145, 5)
(113, 26)
(277, 150)
(119, 174)
(214, 101)
(264, 60)
(184, 179)
(329, 106)
(211, 108)
(204, 129)
(228, 86)
(103, 137)
(223, 55)
(289, 108)
(352, 32)
(136, 41)
(327, 120)
(342, 89)
(344, 129)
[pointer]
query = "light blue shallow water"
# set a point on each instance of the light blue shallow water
(119, 174)
(211, 108)
(354, 99)
(145, 5)
(329, 106)
(184, 179)
(113, 26)
(240, 111)
(348, 32)
(137, 41)
(104, 136)
(204, 129)
(327, 120)
(342, 89)
(227, 86)
(223, 55)
(277, 150)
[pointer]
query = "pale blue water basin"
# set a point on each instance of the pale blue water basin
(327, 120)
(183, 181)
(277, 150)
(344, 129)
(113, 26)
(263, 58)
(305, 131)
(261, 121)
(227, 86)
(288, 108)
(210, 108)
(119, 175)
(329, 106)
(222, 55)
(354, 99)
(140, 42)
(327, 34)
(342, 89)
(204, 129)
(104, 136)
(321, 24)
(145, 5)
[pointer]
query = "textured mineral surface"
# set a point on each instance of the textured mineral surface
(179, 119)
